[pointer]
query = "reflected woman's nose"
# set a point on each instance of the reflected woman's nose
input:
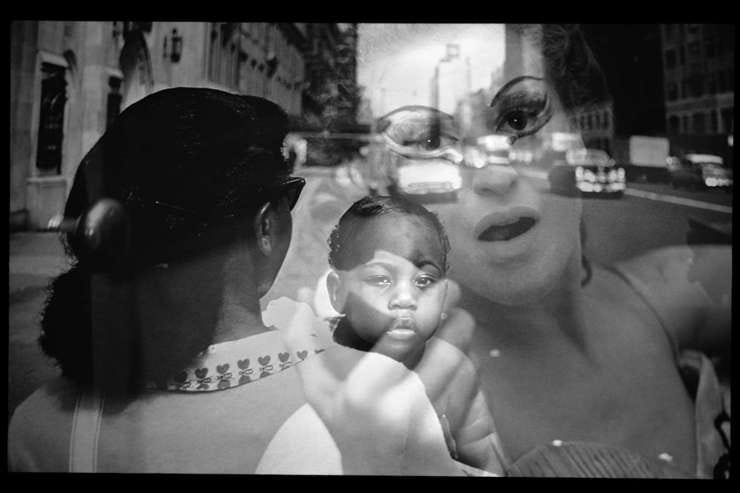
(494, 179)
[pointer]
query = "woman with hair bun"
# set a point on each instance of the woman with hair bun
(178, 222)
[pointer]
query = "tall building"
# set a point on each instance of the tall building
(451, 80)
(69, 81)
(699, 72)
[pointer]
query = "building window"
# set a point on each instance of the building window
(589, 124)
(712, 84)
(694, 50)
(697, 85)
(725, 81)
(670, 32)
(713, 123)
(682, 55)
(606, 119)
(728, 123)
(685, 89)
(710, 48)
(698, 123)
(113, 105)
(686, 127)
(670, 58)
(671, 91)
(674, 125)
(51, 119)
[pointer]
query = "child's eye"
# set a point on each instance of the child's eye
(378, 281)
(423, 282)
(428, 142)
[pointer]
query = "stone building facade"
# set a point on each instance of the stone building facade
(70, 79)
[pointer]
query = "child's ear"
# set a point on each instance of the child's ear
(333, 287)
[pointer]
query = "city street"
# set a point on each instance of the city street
(617, 229)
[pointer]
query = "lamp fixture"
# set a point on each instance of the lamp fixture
(174, 43)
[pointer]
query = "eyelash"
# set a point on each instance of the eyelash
(385, 281)
(534, 109)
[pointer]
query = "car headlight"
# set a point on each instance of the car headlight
(579, 173)
(620, 174)
(612, 175)
(589, 175)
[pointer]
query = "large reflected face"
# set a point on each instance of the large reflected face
(512, 240)
(396, 290)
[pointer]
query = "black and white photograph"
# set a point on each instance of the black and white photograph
(370, 249)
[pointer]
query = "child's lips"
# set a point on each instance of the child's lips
(403, 327)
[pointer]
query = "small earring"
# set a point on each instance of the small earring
(265, 243)
(443, 316)
(162, 266)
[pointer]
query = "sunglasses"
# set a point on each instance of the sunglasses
(421, 132)
(288, 189)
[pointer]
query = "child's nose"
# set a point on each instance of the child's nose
(403, 298)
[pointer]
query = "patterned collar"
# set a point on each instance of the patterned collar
(233, 363)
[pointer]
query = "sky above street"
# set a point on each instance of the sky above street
(396, 61)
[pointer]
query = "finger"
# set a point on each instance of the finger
(318, 381)
(375, 374)
(443, 367)
(445, 357)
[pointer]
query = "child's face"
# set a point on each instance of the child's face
(397, 288)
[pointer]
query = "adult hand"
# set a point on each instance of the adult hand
(378, 412)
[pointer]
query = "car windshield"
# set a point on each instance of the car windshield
(588, 156)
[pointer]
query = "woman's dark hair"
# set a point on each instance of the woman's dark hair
(571, 66)
(188, 165)
(345, 232)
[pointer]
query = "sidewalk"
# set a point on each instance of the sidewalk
(34, 259)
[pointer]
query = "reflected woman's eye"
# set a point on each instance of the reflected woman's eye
(521, 108)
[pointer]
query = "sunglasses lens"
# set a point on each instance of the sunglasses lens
(293, 190)
(418, 131)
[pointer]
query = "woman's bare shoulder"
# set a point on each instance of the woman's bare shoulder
(686, 287)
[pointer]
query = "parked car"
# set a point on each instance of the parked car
(700, 171)
(426, 179)
(587, 172)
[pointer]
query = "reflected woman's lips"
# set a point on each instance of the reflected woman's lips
(506, 225)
